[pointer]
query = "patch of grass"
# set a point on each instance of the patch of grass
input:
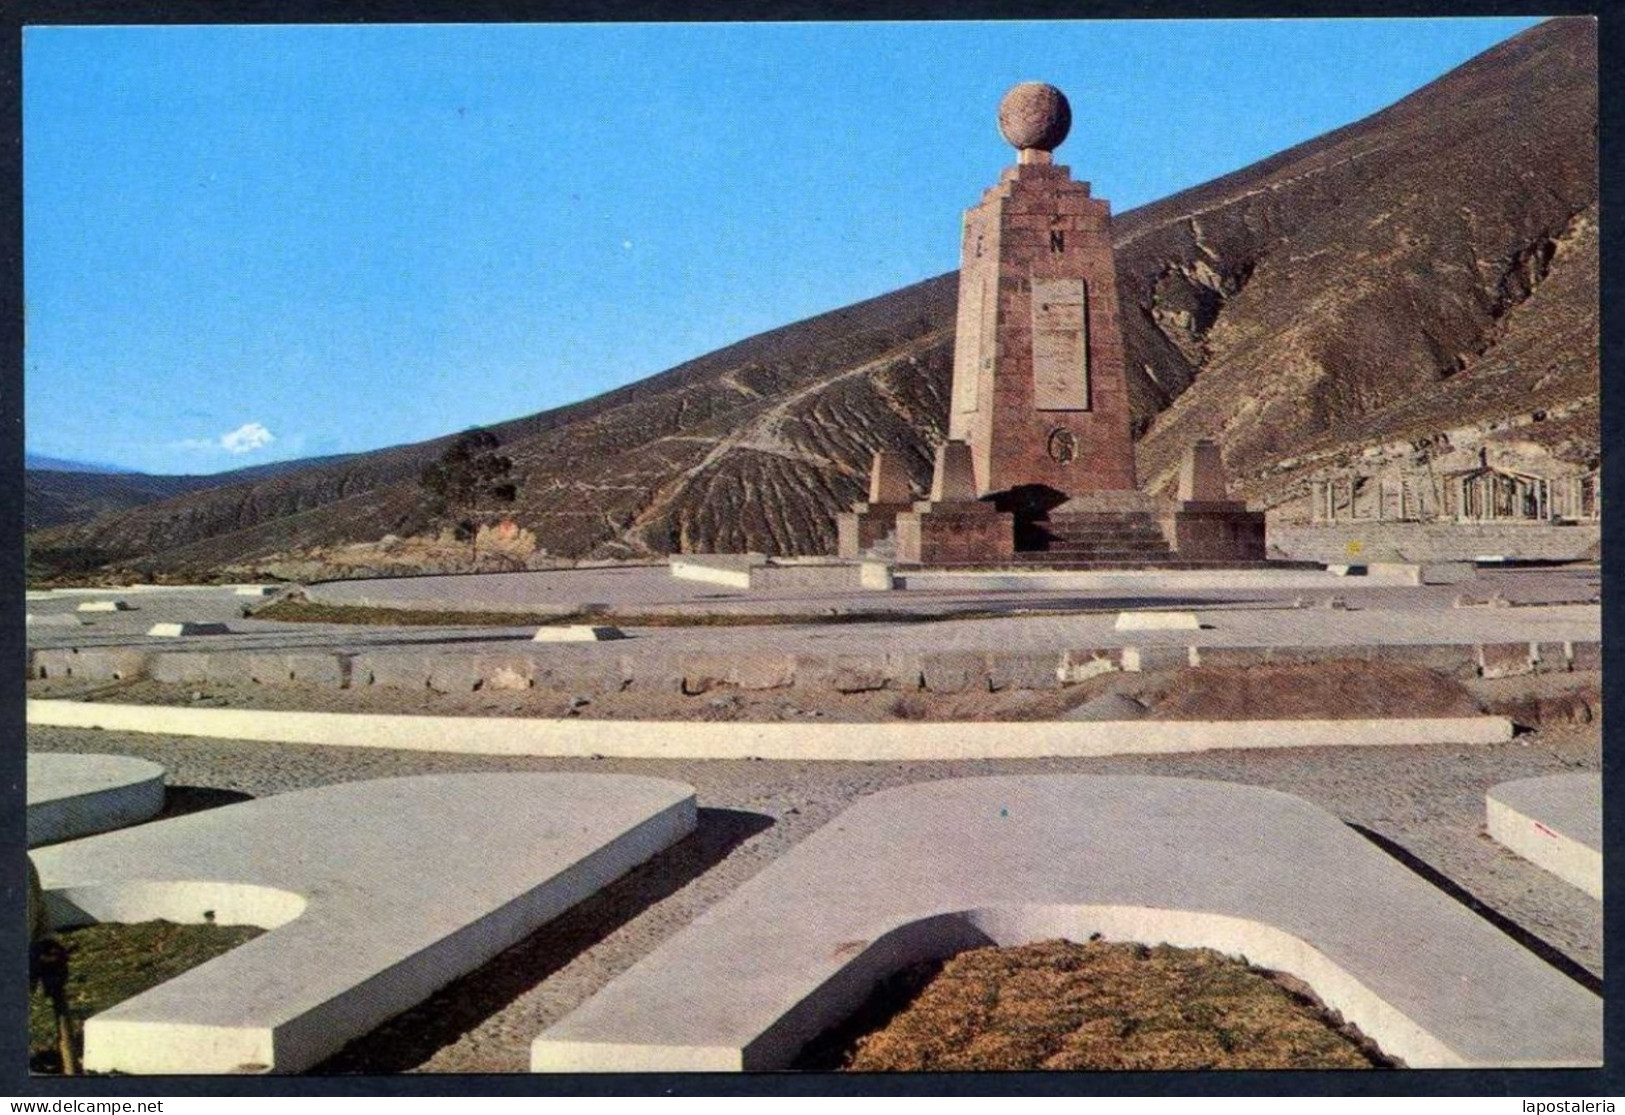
(306, 611)
(112, 962)
(1095, 1006)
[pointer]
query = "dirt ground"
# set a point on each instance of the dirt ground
(1363, 690)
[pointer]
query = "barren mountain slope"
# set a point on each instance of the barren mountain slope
(587, 471)
(1380, 266)
(1428, 269)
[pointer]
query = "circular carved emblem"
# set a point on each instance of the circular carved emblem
(1062, 446)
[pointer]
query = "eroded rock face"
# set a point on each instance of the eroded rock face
(1384, 282)
(1422, 278)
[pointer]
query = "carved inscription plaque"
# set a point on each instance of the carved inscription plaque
(1060, 344)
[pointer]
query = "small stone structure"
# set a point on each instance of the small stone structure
(186, 629)
(1039, 463)
(577, 633)
(53, 619)
(1207, 523)
(954, 526)
(870, 523)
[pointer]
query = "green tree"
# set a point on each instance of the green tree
(470, 474)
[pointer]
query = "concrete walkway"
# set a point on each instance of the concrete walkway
(931, 869)
(375, 893)
(1554, 822)
(75, 795)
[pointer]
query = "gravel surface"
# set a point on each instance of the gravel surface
(1425, 802)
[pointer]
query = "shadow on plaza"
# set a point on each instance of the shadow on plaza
(1548, 952)
(412, 1037)
(181, 800)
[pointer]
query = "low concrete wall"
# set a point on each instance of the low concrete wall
(736, 740)
(807, 578)
(730, 571)
(595, 668)
(377, 892)
(758, 572)
(1332, 542)
(74, 795)
(1555, 822)
(923, 871)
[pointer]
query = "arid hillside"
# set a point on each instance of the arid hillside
(1417, 283)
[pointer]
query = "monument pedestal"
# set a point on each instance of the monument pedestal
(865, 526)
(953, 527)
(1215, 530)
(959, 532)
(1206, 524)
(870, 523)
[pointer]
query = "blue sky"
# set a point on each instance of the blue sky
(249, 244)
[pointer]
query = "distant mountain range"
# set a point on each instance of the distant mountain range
(1419, 282)
(59, 464)
(58, 491)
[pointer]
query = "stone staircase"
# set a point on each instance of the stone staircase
(1102, 539)
(1092, 540)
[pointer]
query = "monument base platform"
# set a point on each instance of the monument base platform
(950, 532)
(1132, 529)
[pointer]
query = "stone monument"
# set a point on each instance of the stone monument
(1038, 388)
(870, 523)
(1206, 524)
(1039, 407)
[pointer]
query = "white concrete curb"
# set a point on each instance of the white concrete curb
(1553, 821)
(75, 795)
(736, 740)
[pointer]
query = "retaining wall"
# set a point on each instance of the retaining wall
(1434, 541)
(699, 672)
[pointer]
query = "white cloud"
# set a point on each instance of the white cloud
(246, 438)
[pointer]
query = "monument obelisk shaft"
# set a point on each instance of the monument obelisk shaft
(1038, 385)
(1039, 461)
